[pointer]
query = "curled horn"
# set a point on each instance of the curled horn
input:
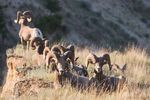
(28, 15)
(46, 43)
(45, 52)
(19, 13)
(91, 58)
(36, 40)
(69, 54)
(46, 49)
(58, 48)
(107, 60)
(53, 56)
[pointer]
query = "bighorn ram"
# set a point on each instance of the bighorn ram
(26, 33)
(78, 69)
(98, 61)
(58, 49)
(59, 64)
(61, 49)
(100, 80)
(58, 59)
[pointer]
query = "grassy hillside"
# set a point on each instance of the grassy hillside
(138, 83)
(104, 23)
(98, 26)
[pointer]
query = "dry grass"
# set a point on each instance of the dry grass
(137, 73)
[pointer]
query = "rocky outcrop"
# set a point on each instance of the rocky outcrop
(17, 83)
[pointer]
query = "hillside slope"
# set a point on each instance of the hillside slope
(115, 23)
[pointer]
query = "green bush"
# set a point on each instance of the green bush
(49, 24)
(52, 5)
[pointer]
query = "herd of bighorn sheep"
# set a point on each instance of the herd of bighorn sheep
(61, 60)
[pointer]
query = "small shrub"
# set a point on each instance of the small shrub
(49, 24)
(52, 5)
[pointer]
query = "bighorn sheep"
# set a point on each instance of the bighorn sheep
(58, 59)
(26, 33)
(59, 64)
(100, 80)
(98, 61)
(61, 49)
(57, 49)
(78, 69)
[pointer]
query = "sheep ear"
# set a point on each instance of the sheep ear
(76, 58)
(124, 68)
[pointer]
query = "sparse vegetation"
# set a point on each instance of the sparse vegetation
(112, 25)
(138, 64)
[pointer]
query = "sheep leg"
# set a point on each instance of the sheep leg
(28, 45)
(23, 44)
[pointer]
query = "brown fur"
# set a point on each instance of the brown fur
(26, 33)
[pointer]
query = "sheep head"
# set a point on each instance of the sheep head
(23, 17)
(28, 15)
(39, 44)
(98, 62)
(61, 50)
(59, 60)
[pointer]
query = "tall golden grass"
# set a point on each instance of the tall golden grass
(137, 74)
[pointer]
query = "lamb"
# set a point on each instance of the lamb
(26, 33)
(101, 81)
